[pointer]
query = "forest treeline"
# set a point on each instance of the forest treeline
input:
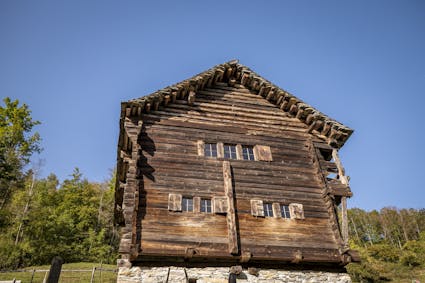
(42, 217)
(45, 218)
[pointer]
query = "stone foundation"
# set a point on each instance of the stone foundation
(221, 275)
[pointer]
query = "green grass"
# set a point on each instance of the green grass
(66, 276)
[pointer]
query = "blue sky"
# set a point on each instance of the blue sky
(360, 62)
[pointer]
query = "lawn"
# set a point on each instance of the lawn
(71, 272)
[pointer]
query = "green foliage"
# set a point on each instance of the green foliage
(384, 252)
(16, 145)
(363, 272)
(73, 219)
(391, 245)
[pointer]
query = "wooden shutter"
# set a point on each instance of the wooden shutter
(239, 153)
(196, 204)
(220, 150)
(263, 153)
(201, 148)
(257, 208)
(175, 202)
(296, 210)
(276, 210)
(220, 204)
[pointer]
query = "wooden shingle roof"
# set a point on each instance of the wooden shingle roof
(235, 74)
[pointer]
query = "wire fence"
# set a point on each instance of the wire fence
(94, 275)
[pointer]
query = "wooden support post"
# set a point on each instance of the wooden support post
(128, 245)
(344, 223)
(92, 274)
(230, 217)
(341, 170)
(45, 276)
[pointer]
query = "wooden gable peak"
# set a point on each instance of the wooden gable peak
(237, 75)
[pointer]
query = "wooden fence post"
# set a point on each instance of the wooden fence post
(55, 270)
(92, 274)
(32, 275)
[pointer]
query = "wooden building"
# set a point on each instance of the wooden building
(226, 168)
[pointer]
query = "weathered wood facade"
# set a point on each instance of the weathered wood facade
(227, 168)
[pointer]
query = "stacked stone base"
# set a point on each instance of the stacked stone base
(221, 275)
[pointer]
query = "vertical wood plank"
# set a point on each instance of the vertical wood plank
(344, 220)
(341, 170)
(239, 154)
(230, 217)
(220, 150)
(196, 204)
(201, 147)
(276, 210)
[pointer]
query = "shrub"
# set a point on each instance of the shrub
(384, 252)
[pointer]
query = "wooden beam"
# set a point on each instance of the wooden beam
(244, 79)
(284, 105)
(148, 107)
(270, 95)
(293, 109)
(156, 104)
(326, 128)
(341, 170)
(173, 96)
(344, 223)
(232, 232)
(191, 98)
(229, 72)
(315, 125)
(167, 99)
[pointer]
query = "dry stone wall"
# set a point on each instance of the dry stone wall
(221, 275)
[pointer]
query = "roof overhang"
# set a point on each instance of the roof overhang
(233, 73)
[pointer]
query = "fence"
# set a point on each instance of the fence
(94, 275)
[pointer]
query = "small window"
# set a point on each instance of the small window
(210, 150)
(187, 204)
(206, 205)
(247, 152)
(230, 151)
(326, 153)
(268, 209)
(284, 210)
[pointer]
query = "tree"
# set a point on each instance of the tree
(17, 144)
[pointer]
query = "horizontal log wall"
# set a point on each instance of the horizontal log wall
(169, 163)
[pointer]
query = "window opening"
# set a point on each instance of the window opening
(326, 153)
(210, 150)
(187, 204)
(206, 205)
(230, 151)
(268, 209)
(247, 152)
(284, 210)
(332, 176)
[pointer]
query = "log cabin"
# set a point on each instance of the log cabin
(228, 169)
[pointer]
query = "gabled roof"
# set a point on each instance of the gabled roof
(236, 74)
